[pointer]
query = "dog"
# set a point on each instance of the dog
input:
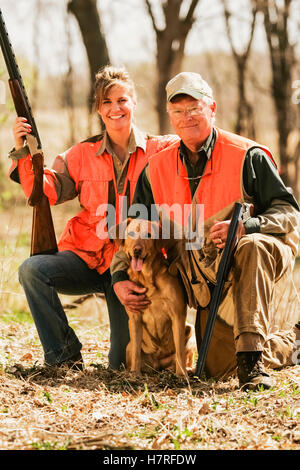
(159, 335)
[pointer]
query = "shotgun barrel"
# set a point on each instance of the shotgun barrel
(216, 297)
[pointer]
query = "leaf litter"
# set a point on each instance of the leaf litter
(99, 408)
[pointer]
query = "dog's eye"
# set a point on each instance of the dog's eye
(131, 234)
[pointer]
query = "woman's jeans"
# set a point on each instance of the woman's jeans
(42, 277)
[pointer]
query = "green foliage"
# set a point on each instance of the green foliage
(145, 432)
(251, 399)
(181, 435)
(149, 398)
(18, 316)
(46, 445)
(48, 397)
(291, 412)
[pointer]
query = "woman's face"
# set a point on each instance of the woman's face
(117, 108)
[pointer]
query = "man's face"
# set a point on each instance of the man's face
(192, 119)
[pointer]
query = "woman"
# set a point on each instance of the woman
(101, 170)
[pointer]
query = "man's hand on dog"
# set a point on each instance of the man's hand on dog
(131, 295)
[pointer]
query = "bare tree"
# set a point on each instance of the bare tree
(245, 115)
(36, 49)
(68, 85)
(87, 16)
(170, 43)
(282, 55)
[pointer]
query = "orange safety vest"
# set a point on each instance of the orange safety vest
(220, 186)
(93, 175)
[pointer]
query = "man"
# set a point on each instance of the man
(216, 168)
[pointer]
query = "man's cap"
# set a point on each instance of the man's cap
(188, 83)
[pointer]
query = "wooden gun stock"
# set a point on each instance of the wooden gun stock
(43, 240)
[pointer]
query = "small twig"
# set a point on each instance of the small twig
(83, 299)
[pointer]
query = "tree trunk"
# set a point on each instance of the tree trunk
(170, 43)
(68, 86)
(245, 114)
(245, 124)
(87, 16)
(282, 54)
(168, 65)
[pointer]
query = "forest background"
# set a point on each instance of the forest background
(249, 52)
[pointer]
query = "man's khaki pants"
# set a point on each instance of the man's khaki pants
(259, 308)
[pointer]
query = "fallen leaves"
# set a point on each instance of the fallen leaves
(204, 409)
(100, 408)
(26, 357)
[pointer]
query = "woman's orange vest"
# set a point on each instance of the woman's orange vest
(94, 174)
(220, 186)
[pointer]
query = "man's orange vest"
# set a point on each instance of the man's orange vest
(220, 186)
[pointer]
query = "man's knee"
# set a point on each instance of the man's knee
(256, 250)
(264, 251)
(250, 244)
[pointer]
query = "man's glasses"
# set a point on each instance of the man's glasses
(192, 111)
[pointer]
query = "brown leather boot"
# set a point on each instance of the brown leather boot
(251, 371)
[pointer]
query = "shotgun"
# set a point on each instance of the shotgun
(222, 274)
(43, 240)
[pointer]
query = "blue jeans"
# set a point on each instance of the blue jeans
(42, 277)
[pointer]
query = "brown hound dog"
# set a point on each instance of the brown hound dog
(159, 336)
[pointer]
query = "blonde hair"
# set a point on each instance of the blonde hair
(106, 78)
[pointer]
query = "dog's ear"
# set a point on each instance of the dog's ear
(117, 232)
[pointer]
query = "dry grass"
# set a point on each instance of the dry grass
(103, 409)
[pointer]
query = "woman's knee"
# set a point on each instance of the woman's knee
(29, 270)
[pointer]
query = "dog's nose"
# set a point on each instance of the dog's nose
(137, 251)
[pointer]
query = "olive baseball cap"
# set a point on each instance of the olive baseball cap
(188, 83)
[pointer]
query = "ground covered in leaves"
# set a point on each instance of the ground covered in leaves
(103, 409)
